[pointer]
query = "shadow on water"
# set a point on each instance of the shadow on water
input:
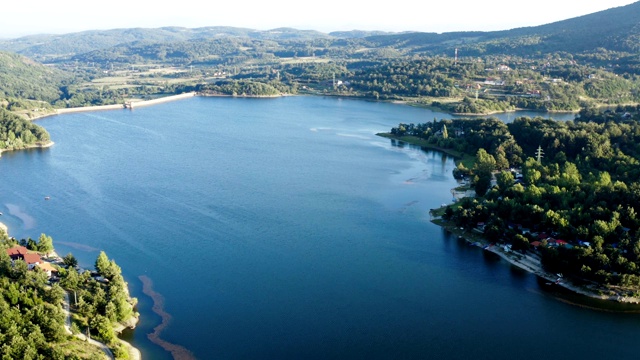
(517, 272)
(22, 152)
(569, 297)
(520, 277)
(491, 259)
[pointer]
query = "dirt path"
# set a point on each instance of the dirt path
(67, 327)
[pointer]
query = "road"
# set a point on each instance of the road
(67, 327)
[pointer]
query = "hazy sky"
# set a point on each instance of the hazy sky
(50, 16)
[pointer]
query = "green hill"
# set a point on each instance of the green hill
(46, 48)
(21, 77)
(616, 29)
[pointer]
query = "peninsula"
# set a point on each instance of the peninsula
(556, 198)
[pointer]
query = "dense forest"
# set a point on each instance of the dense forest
(17, 133)
(576, 181)
(23, 78)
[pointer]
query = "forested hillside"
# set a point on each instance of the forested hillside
(50, 47)
(21, 77)
(17, 133)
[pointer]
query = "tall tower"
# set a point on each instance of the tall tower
(539, 154)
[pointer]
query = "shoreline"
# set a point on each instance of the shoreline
(142, 103)
(532, 265)
(441, 109)
(34, 146)
(243, 96)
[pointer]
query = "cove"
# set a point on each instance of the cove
(285, 229)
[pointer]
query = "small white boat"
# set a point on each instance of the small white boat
(47, 197)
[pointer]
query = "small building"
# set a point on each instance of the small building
(21, 253)
(48, 269)
(17, 252)
(32, 260)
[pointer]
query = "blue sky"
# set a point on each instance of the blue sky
(46, 16)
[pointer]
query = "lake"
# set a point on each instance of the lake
(285, 229)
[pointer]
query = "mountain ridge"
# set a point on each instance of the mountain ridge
(616, 29)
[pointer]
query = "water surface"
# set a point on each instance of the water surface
(285, 229)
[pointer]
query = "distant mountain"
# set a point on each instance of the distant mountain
(357, 34)
(616, 29)
(47, 47)
(288, 34)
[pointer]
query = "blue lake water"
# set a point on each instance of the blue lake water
(285, 229)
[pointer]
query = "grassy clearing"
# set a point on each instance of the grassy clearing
(80, 349)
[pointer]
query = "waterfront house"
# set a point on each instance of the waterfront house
(33, 260)
(21, 253)
(17, 252)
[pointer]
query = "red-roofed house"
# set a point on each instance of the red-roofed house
(561, 242)
(20, 253)
(17, 252)
(32, 259)
(536, 243)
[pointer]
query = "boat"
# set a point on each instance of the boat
(47, 197)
